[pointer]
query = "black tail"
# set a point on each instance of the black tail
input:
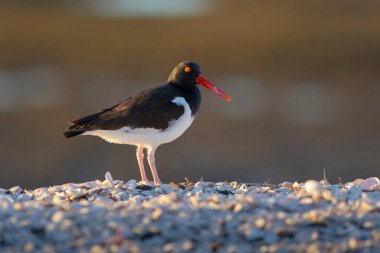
(73, 130)
(87, 123)
(81, 125)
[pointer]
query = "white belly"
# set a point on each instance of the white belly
(149, 137)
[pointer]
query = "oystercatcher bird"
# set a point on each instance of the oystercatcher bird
(150, 118)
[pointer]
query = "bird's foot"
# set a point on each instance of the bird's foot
(147, 182)
(157, 182)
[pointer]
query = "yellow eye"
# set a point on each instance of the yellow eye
(187, 69)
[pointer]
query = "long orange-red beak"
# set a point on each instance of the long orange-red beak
(201, 80)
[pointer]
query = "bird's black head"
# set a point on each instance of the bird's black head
(187, 74)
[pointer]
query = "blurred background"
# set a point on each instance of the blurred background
(303, 77)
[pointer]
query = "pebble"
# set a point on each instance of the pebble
(117, 216)
(58, 217)
(204, 184)
(296, 185)
(287, 184)
(260, 222)
(167, 188)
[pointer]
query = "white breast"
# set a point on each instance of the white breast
(149, 137)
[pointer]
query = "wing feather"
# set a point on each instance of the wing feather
(151, 108)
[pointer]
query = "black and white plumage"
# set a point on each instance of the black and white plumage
(150, 118)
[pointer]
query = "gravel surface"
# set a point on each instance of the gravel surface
(117, 216)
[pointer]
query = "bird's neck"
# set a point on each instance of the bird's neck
(192, 95)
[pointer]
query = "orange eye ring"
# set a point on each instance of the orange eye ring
(187, 69)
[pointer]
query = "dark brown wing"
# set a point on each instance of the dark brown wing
(151, 108)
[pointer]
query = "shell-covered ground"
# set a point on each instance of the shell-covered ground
(117, 216)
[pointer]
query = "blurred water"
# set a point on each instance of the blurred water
(34, 87)
(307, 104)
(250, 97)
(150, 8)
(299, 104)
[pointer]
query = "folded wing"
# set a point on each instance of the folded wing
(149, 109)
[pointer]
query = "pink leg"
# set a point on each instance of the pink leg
(151, 161)
(140, 160)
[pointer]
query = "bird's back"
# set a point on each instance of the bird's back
(152, 108)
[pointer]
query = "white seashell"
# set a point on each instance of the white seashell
(95, 190)
(117, 181)
(23, 197)
(244, 188)
(204, 184)
(197, 189)
(241, 190)
(357, 181)
(42, 195)
(324, 182)
(369, 184)
(296, 185)
(75, 193)
(287, 184)
(15, 190)
(131, 184)
(313, 188)
(109, 179)
(167, 188)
